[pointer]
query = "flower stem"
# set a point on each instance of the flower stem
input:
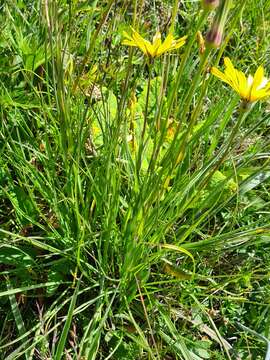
(142, 143)
(173, 94)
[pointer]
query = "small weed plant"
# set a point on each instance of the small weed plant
(134, 179)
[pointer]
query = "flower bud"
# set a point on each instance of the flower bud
(210, 4)
(201, 42)
(214, 36)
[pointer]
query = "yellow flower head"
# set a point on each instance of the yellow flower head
(156, 48)
(250, 89)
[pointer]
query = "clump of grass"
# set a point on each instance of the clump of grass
(134, 186)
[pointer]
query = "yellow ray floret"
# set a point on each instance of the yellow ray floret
(156, 48)
(249, 88)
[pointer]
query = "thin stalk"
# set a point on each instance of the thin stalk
(146, 103)
(187, 101)
(219, 158)
(245, 328)
(147, 318)
(173, 94)
(183, 63)
(207, 172)
(214, 164)
(174, 13)
(230, 32)
(140, 12)
(92, 42)
(170, 158)
(142, 144)
(158, 113)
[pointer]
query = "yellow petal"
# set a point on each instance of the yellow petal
(250, 89)
(156, 48)
(228, 64)
(176, 44)
(258, 77)
(150, 49)
(142, 44)
(259, 94)
(129, 42)
(156, 43)
(135, 40)
(165, 46)
(220, 75)
(243, 87)
(231, 73)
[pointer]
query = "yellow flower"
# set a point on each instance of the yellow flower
(251, 88)
(156, 48)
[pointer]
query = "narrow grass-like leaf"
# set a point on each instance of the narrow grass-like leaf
(17, 316)
(62, 341)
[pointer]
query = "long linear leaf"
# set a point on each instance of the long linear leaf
(63, 338)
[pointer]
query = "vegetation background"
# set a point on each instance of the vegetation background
(134, 206)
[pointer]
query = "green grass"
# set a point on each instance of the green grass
(134, 196)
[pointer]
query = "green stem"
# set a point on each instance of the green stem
(146, 103)
(219, 158)
(183, 63)
(214, 164)
(142, 143)
(173, 94)
(189, 96)
(93, 41)
(174, 13)
(170, 157)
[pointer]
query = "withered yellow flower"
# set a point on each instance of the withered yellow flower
(201, 42)
(157, 47)
(249, 88)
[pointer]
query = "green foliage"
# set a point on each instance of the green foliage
(134, 194)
